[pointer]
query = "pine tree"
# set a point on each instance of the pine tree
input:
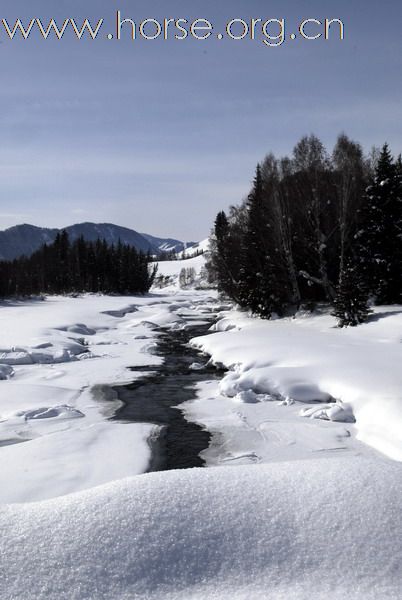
(259, 289)
(82, 266)
(398, 165)
(223, 255)
(351, 302)
(379, 236)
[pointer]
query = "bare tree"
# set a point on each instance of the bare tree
(313, 176)
(279, 207)
(348, 163)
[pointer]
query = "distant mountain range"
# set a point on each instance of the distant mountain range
(25, 239)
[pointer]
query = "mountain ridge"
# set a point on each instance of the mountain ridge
(24, 239)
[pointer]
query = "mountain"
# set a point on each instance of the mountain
(25, 239)
(194, 249)
(111, 233)
(167, 244)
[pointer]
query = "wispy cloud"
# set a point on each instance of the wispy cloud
(154, 134)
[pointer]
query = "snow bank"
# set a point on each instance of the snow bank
(308, 359)
(278, 532)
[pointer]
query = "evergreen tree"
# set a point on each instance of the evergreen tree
(379, 235)
(259, 290)
(223, 262)
(61, 248)
(82, 266)
(351, 302)
(398, 165)
(223, 255)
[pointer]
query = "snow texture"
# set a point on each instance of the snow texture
(293, 508)
(355, 372)
(300, 530)
(59, 359)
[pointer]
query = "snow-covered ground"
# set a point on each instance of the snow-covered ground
(193, 259)
(199, 248)
(301, 530)
(293, 507)
(58, 359)
(306, 363)
(172, 268)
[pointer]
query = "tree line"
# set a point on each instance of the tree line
(171, 255)
(315, 227)
(80, 266)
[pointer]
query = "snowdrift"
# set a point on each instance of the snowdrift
(278, 532)
(309, 360)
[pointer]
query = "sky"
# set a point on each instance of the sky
(161, 135)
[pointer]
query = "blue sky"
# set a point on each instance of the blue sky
(159, 136)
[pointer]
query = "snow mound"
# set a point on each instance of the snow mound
(65, 351)
(247, 397)
(10, 357)
(119, 314)
(222, 533)
(303, 391)
(79, 328)
(240, 380)
(53, 412)
(330, 412)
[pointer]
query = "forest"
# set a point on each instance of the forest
(316, 227)
(80, 266)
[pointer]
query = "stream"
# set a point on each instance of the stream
(156, 398)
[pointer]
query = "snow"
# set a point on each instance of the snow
(172, 268)
(251, 428)
(273, 532)
(330, 412)
(55, 436)
(6, 372)
(60, 459)
(200, 247)
(308, 360)
(297, 502)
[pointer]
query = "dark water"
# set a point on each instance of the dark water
(155, 398)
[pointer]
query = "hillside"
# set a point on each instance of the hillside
(26, 239)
